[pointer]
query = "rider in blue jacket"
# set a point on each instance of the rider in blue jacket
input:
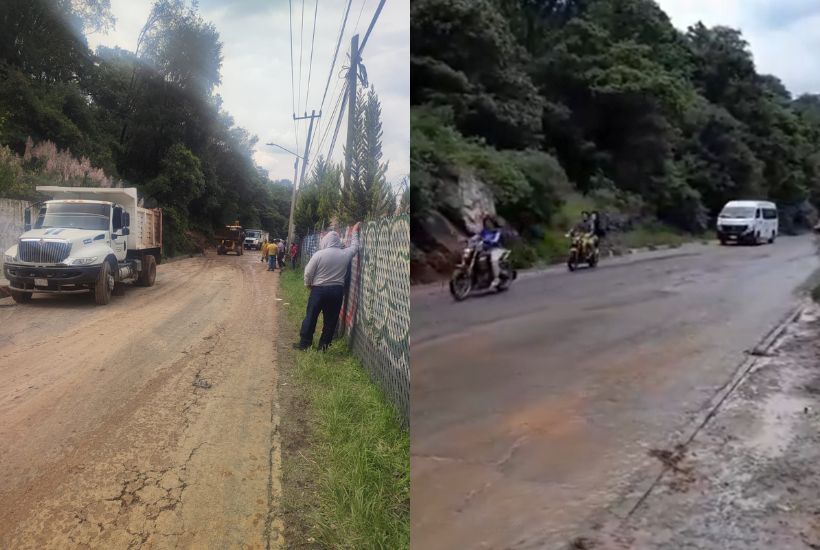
(491, 239)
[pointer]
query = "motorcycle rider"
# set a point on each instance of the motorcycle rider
(491, 240)
(585, 229)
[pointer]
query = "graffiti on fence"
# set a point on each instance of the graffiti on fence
(376, 314)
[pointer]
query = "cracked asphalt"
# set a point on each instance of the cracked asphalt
(541, 412)
(152, 422)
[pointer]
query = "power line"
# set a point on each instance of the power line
(310, 65)
(292, 82)
(333, 94)
(321, 142)
(338, 123)
(355, 28)
(301, 51)
(336, 53)
(330, 73)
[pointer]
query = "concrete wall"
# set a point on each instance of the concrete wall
(11, 224)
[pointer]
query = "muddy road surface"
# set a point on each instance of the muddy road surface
(151, 422)
(540, 412)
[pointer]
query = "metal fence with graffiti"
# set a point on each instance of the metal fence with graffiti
(376, 313)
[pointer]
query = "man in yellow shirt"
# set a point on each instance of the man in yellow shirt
(269, 254)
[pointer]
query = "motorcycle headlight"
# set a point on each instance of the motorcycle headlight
(84, 261)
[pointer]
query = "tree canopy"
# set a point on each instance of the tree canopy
(612, 96)
(148, 118)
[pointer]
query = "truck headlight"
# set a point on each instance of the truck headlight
(8, 258)
(84, 261)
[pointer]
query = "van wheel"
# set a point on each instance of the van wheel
(104, 285)
(149, 271)
(772, 238)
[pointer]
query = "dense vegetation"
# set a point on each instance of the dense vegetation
(148, 118)
(549, 99)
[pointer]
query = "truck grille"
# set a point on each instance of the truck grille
(44, 252)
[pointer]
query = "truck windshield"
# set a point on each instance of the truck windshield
(738, 212)
(74, 215)
(253, 234)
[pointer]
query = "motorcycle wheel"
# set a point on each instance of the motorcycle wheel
(506, 281)
(572, 261)
(460, 286)
(593, 260)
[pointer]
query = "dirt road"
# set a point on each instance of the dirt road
(151, 422)
(535, 413)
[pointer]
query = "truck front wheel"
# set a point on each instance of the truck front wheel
(104, 285)
(21, 297)
(149, 271)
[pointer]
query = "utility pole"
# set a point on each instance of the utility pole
(352, 78)
(312, 116)
(293, 199)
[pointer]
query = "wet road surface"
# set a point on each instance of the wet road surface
(533, 412)
(148, 422)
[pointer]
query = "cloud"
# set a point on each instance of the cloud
(256, 70)
(781, 33)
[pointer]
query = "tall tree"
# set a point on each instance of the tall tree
(368, 195)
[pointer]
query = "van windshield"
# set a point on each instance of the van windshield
(74, 215)
(738, 212)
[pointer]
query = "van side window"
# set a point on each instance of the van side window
(770, 213)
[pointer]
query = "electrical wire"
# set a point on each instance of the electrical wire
(320, 142)
(301, 52)
(335, 54)
(292, 82)
(310, 64)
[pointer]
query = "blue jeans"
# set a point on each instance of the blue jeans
(271, 262)
(326, 300)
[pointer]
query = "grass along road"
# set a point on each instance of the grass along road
(348, 486)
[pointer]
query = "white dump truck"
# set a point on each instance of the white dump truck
(254, 238)
(86, 239)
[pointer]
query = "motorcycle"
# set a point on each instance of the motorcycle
(475, 271)
(581, 250)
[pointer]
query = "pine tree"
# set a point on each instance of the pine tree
(367, 195)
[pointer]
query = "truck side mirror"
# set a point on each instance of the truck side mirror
(126, 231)
(116, 218)
(27, 219)
(126, 220)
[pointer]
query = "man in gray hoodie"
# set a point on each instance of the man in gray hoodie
(325, 277)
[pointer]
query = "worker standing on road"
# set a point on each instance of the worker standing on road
(271, 252)
(263, 250)
(280, 255)
(325, 277)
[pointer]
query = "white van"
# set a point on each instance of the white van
(751, 222)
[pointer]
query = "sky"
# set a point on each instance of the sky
(781, 33)
(256, 70)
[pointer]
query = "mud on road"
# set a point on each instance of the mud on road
(151, 422)
(751, 476)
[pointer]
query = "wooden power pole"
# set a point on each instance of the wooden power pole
(312, 117)
(352, 78)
